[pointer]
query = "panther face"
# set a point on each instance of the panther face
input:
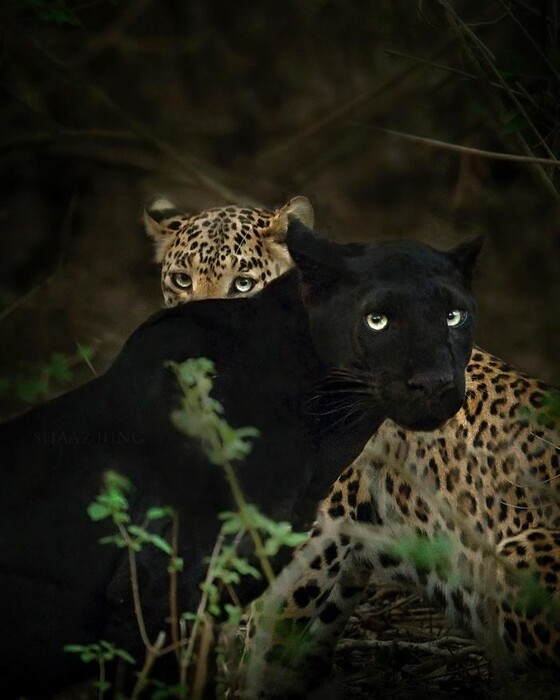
(222, 252)
(394, 320)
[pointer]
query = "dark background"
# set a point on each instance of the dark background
(106, 103)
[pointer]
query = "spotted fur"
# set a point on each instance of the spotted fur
(486, 484)
(222, 252)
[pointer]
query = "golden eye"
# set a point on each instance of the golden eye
(243, 284)
(456, 318)
(377, 322)
(181, 280)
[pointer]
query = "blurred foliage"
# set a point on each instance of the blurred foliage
(39, 382)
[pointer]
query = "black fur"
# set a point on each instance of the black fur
(58, 585)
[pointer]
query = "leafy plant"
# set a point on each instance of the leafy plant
(103, 653)
(200, 417)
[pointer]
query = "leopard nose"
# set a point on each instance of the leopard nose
(432, 383)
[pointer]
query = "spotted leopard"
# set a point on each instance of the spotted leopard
(221, 252)
(486, 482)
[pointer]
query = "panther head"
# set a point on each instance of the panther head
(222, 252)
(393, 320)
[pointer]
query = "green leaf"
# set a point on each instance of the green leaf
(233, 613)
(125, 656)
(161, 544)
(98, 511)
(59, 368)
(29, 390)
(169, 691)
(157, 513)
(189, 617)
(214, 609)
(176, 564)
(117, 540)
(116, 482)
(102, 685)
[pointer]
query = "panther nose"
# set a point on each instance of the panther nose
(431, 382)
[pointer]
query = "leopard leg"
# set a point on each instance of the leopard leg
(294, 626)
(529, 610)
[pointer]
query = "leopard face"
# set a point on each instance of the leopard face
(221, 252)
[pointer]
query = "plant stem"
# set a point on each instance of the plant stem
(494, 155)
(201, 673)
(173, 605)
(152, 653)
(242, 507)
(101, 686)
(135, 588)
(186, 659)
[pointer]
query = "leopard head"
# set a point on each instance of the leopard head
(222, 252)
(393, 320)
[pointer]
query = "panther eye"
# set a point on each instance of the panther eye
(377, 322)
(181, 280)
(456, 318)
(243, 284)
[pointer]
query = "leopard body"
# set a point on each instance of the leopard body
(485, 484)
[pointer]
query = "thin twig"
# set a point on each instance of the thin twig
(201, 672)
(530, 39)
(135, 588)
(242, 507)
(200, 611)
(101, 682)
(468, 37)
(439, 66)
(433, 647)
(534, 11)
(173, 603)
(152, 654)
(494, 155)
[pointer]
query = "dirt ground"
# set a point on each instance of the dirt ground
(210, 103)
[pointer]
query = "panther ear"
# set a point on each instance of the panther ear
(466, 254)
(298, 208)
(320, 262)
(159, 216)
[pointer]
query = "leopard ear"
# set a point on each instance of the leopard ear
(159, 217)
(320, 263)
(465, 255)
(297, 208)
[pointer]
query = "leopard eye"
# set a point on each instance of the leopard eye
(456, 318)
(181, 280)
(243, 284)
(377, 322)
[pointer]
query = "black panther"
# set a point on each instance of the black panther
(355, 334)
